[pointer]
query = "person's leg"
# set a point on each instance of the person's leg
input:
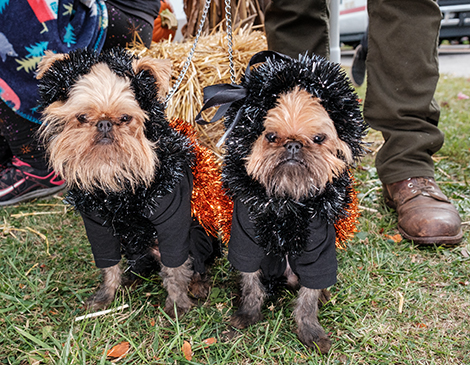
(124, 29)
(294, 27)
(402, 69)
(403, 72)
(20, 135)
(27, 174)
(358, 67)
(5, 152)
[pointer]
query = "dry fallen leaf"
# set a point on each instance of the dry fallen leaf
(188, 353)
(120, 350)
(421, 325)
(395, 238)
(210, 341)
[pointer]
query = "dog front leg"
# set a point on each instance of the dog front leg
(310, 331)
(176, 281)
(253, 295)
(107, 290)
(199, 286)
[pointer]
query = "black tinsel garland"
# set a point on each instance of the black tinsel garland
(280, 223)
(127, 212)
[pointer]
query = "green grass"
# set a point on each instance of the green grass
(43, 284)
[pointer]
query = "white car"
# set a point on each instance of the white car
(353, 20)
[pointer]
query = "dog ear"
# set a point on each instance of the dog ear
(160, 69)
(47, 61)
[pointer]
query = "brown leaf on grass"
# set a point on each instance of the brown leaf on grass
(187, 351)
(395, 238)
(120, 350)
(421, 325)
(445, 104)
(209, 341)
(152, 322)
(464, 283)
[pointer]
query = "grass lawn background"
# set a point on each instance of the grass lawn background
(394, 303)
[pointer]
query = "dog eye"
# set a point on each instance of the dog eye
(82, 118)
(271, 137)
(319, 138)
(125, 118)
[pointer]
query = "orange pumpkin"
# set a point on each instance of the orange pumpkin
(165, 24)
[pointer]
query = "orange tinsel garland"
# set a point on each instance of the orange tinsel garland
(213, 208)
(346, 227)
(209, 203)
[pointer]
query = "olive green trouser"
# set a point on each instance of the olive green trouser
(402, 73)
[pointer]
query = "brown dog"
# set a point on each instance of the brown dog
(294, 131)
(127, 170)
(296, 156)
(299, 151)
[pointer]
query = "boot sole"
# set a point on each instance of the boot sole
(431, 241)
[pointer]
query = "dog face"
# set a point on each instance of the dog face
(95, 138)
(299, 151)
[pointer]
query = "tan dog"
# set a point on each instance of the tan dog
(299, 151)
(294, 130)
(128, 172)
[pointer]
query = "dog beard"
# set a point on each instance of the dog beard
(96, 137)
(299, 151)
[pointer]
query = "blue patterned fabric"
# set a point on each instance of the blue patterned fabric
(30, 27)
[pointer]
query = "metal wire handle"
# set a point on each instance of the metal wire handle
(228, 19)
(191, 53)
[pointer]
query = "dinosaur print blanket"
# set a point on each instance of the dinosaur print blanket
(30, 27)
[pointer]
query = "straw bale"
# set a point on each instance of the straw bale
(209, 66)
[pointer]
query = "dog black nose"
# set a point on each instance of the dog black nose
(293, 147)
(104, 126)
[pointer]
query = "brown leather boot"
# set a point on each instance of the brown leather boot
(425, 215)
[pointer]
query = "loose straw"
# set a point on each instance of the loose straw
(101, 313)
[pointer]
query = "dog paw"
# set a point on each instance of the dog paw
(315, 337)
(199, 286)
(183, 305)
(98, 301)
(243, 319)
(324, 298)
(180, 311)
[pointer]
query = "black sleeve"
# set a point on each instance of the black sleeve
(105, 246)
(317, 265)
(243, 252)
(173, 220)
